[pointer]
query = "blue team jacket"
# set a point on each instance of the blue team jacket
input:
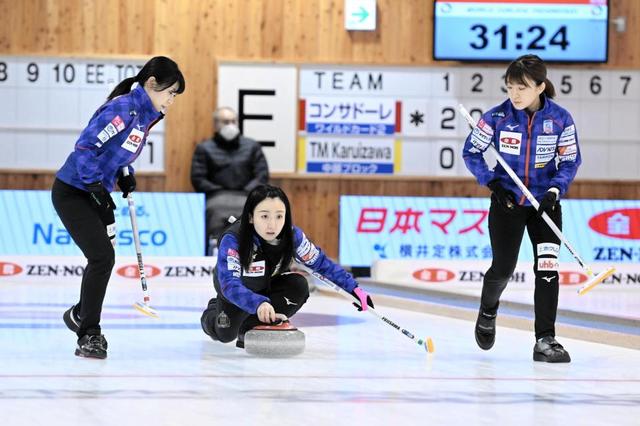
(542, 149)
(114, 138)
(241, 287)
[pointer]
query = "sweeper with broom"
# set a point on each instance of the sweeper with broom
(113, 139)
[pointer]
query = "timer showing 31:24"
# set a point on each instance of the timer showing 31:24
(533, 38)
(493, 30)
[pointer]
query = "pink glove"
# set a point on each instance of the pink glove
(361, 296)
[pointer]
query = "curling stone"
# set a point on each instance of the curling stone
(274, 341)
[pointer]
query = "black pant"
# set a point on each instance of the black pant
(223, 319)
(83, 223)
(506, 230)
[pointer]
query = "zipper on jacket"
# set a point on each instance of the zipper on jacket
(528, 156)
(146, 135)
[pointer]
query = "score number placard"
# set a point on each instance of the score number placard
(46, 103)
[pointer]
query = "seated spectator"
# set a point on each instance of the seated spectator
(226, 168)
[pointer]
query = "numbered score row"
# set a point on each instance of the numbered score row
(463, 81)
(432, 82)
(440, 118)
(35, 150)
(64, 72)
(440, 157)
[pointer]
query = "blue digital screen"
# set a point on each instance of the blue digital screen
(557, 31)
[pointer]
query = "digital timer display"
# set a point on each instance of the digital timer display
(490, 30)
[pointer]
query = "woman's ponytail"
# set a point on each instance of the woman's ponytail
(123, 87)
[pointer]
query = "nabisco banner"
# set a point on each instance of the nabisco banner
(44, 269)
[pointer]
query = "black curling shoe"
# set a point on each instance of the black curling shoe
(92, 346)
(485, 330)
(71, 319)
(208, 317)
(547, 349)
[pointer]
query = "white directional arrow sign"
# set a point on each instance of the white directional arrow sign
(360, 15)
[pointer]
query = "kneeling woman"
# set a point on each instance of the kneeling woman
(252, 277)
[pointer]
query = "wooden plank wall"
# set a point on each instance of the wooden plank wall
(197, 33)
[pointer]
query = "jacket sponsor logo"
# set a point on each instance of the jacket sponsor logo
(572, 277)
(131, 271)
(546, 140)
(543, 159)
(547, 126)
(545, 149)
(568, 131)
(433, 275)
(8, 269)
(133, 140)
(510, 142)
(619, 223)
(568, 149)
(256, 269)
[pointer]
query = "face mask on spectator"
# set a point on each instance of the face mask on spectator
(229, 132)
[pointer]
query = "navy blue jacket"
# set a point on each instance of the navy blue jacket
(542, 149)
(114, 138)
(243, 287)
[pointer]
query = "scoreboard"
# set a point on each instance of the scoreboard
(47, 102)
(417, 108)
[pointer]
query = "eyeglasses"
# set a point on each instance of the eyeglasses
(224, 122)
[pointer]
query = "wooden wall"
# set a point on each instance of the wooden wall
(197, 33)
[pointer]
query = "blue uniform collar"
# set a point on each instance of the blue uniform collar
(143, 106)
(546, 104)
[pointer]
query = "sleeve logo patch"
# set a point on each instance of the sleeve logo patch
(113, 128)
(118, 123)
(307, 252)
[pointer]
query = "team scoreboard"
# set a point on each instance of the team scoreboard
(47, 102)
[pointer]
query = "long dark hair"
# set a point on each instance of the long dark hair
(532, 68)
(247, 230)
(162, 68)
